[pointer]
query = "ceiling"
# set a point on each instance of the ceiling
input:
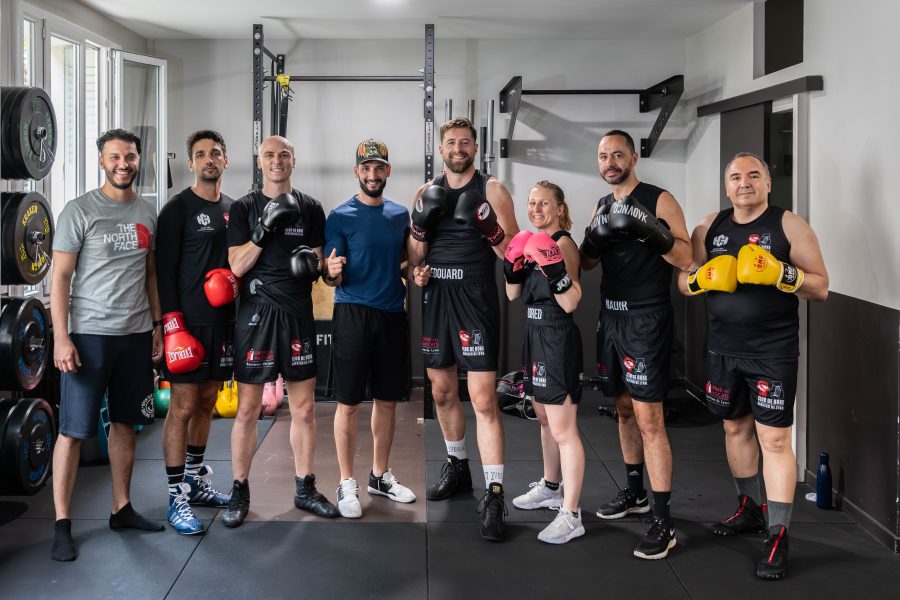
(399, 19)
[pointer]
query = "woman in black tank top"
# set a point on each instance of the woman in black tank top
(552, 359)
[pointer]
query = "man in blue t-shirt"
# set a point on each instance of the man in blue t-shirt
(365, 242)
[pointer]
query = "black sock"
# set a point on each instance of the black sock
(193, 458)
(63, 546)
(175, 475)
(635, 475)
(661, 506)
(128, 518)
(551, 485)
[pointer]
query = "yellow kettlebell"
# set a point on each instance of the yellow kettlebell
(227, 400)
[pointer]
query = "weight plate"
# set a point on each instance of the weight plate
(26, 447)
(28, 132)
(24, 330)
(27, 225)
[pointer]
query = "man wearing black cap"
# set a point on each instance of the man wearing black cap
(365, 239)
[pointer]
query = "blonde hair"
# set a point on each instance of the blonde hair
(565, 220)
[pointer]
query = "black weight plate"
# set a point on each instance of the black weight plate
(29, 133)
(27, 225)
(27, 447)
(24, 329)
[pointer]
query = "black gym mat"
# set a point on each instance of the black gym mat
(148, 444)
(308, 560)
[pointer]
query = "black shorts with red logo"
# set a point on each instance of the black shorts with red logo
(218, 361)
(461, 318)
(269, 341)
(551, 355)
(371, 349)
(739, 386)
(633, 349)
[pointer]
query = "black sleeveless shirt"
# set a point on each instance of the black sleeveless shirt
(631, 271)
(756, 320)
(453, 243)
(535, 289)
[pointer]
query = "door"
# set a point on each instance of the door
(138, 85)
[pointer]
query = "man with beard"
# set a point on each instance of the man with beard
(462, 221)
(365, 238)
(196, 293)
(275, 238)
(106, 330)
(637, 233)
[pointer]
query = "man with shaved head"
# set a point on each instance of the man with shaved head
(275, 239)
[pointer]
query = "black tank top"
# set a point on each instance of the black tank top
(536, 290)
(631, 271)
(454, 243)
(756, 320)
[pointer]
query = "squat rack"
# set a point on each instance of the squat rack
(664, 95)
(280, 94)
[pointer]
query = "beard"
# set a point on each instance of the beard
(456, 167)
(619, 178)
(110, 177)
(210, 177)
(376, 193)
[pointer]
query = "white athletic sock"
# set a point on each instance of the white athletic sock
(492, 474)
(456, 449)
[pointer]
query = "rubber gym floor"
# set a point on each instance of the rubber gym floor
(430, 549)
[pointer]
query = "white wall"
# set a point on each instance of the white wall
(854, 124)
(555, 138)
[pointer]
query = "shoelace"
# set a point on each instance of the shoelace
(563, 516)
(348, 486)
(182, 508)
(485, 503)
(658, 529)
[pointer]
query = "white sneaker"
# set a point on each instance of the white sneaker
(348, 499)
(387, 485)
(563, 528)
(539, 496)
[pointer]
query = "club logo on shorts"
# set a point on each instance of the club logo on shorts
(431, 345)
(636, 370)
(471, 343)
(771, 396)
(538, 374)
(301, 352)
(226, 354)
(602, 371)
(716, 395)
(257, 359)
(148, 409)
(254, 320)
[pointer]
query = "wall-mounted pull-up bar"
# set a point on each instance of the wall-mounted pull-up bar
(280, 94)
(664, 95)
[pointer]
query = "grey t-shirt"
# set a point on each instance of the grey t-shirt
(112, 239)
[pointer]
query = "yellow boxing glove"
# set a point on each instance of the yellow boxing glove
(717, 275)
(757, 266)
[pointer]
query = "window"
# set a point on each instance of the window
(28, 52)
(91, 115)
(64, 95)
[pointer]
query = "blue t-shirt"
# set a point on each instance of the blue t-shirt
(372, 238)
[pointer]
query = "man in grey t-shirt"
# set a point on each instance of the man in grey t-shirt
(106, 329)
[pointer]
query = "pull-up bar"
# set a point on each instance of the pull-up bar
(664, 95)
(280, 94)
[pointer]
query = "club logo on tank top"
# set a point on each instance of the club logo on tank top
(472, 343)
(763, 240)
(770, 395)
(720, 243)
(301, 352)
(538, 374)
(130, 236)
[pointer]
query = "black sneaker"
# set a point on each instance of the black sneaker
(748, 518)
(238, 504)
(658, 541)
(626, 502)
(455, 479)
(493, 511)
(308, 498)
(774, 563)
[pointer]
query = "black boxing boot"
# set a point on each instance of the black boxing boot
(455, 478)
(310, 499)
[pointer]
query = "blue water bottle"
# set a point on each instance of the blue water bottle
(823, 482)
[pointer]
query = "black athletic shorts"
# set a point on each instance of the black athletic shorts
(269, 341)
(218, 362)
(119, 366)
(370, 347)
(461, 318)
(551, 355)
(738, 386)
(633, 348)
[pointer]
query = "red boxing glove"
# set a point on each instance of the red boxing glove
(221, 287)
(547, 254)
(514, 268)
(184, 352)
